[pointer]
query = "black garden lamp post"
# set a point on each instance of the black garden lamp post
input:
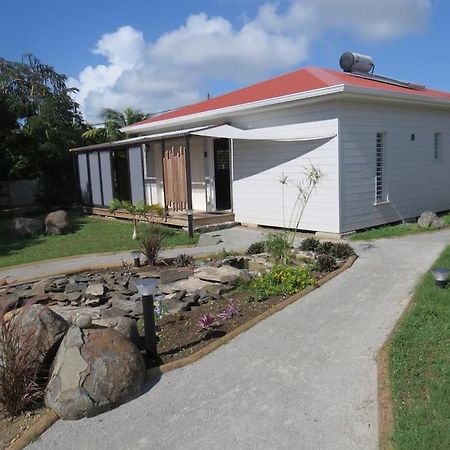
(440, 275)
(136, 254)
(147, 287)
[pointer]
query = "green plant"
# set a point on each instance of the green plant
(304, 187)
(325, 263)
(342, 250)
(137, 212)
(19, 368)
(222, 254)
(152, 236)
(278, 245)
(183, 260)
(281, 280)
(309, 244)
(325, 248)
(256, 247)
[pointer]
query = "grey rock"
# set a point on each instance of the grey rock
(113, 312)
(172, 275)
(95, 289)
(74, 287)
(236, 262)
(426, 219)
(136, 297)
(132, 308)
(43, 329)
(93, 301)
(83, 320)
(94, 371)
(438, 223)
(259, 264)
(190, 285)
(57, 222)
(215, 289)
(73, 296)
(26, 226)
(70, 312)
(126, 326)
(223, 274)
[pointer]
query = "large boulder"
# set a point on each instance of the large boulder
(224, 274)
(94, 371)
(57, 222)
(426, 219)
(27, 226)
(126, 326)
(44, 329)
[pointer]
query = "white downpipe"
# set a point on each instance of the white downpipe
(231, 172)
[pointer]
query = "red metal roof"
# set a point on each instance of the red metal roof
(302, 80)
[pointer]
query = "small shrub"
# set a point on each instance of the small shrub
(183, 260)
(325, 263)
(19, 369)
(277, 244)
(325, 248)
(255, 248)
(281, 280)
(309, 244)
(342, 250)
(151, 237)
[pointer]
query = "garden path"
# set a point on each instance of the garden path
(233, 239)
(305, 378)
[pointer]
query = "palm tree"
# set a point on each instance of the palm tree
(113, 121)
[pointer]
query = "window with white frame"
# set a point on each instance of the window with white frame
(437, 146)
(380, 195)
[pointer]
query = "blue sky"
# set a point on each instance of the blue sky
(155, 55)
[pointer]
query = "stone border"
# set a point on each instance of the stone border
(33, 432)
(45, 422)
(156, 371)
(385, 401)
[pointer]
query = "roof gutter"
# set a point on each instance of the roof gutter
(222, 113)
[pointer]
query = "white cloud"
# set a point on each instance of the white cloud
(170, 71)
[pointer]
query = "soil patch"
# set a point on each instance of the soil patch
(13, 427)
(179, 335)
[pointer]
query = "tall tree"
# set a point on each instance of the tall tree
(39, 122)
(113, 121)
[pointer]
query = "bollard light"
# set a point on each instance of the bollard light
(440, 275)
(147, 287)
(136, 254)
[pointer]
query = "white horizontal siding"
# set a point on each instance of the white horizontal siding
(258, 166)
(413, 181)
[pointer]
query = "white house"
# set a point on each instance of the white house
(383, 145)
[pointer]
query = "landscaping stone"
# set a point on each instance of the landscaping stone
(39, 288)
(83, 320)
(43, 329)
(114, 311)
(237, 262)
(190, 285)
(95, 301)
(126, 326)
(75, 287)
(73, 296)
(133, 308)
(26, 226)
(259, 264)
(223, 274)
(95, 289)
(426, 219)
(57, 222)
(70, 312)
(95, 370)
(438, 223)
(171, 275)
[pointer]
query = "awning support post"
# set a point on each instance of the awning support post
(190, 212)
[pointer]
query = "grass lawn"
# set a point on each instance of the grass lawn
(90, 235)
(420, 368)
(394, 230)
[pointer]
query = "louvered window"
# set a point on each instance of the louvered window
(379, 178)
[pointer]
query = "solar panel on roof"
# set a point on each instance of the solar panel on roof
(381, 79)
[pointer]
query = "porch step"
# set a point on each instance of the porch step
(215, 227)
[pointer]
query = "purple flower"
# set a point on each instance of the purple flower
(230, 312)
(206, 322)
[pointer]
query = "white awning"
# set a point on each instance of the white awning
(309, 131)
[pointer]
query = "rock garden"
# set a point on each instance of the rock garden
(76, 341)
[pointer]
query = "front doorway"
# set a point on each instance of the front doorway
(222, 174)
(121, 175)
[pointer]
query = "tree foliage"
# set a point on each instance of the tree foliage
(113, 122)
(39, 122)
